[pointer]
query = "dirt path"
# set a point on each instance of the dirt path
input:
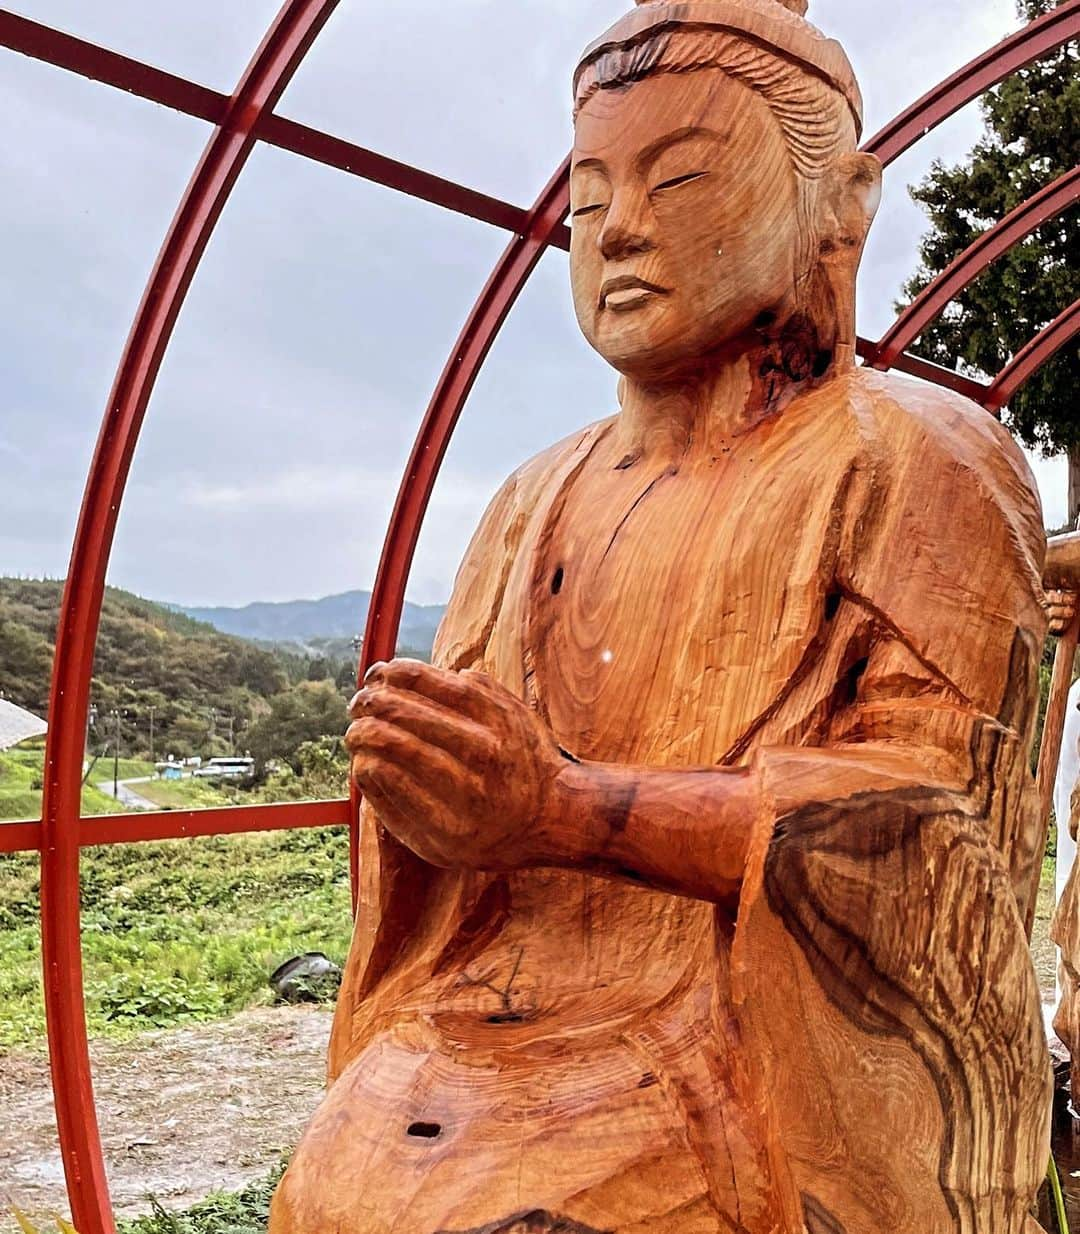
(183, 1112)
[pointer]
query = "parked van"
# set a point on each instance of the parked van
(219, 767)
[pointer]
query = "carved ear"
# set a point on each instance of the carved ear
(847, 202)
(848, 199)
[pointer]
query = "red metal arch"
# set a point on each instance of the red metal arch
(1025, 364)
(1044, 35)
(243, 118)
(986, 249)
(273, 65)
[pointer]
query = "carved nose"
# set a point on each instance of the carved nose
(622, 235)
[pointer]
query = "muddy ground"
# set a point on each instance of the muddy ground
(184, 1111)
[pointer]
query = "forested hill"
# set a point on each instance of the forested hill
(148, 657)
(315, 623)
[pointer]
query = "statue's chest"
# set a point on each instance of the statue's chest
(661, 614)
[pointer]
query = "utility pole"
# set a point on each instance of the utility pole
(152, 709)
(116, 754)
(232, 744)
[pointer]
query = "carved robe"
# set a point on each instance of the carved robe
(847, 598)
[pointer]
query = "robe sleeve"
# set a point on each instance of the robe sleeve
(880, 967)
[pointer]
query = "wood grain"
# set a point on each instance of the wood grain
(695, 869)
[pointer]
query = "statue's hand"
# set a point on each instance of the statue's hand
(1060, 609)
(457, 767)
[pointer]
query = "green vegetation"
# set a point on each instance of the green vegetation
(301, 714)
(190, 793)
(152, 664)
(178, 931)
(244, 1212)
(126, 768)
(1032, 136)
(21, 781)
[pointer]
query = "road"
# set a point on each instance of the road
(127, 796)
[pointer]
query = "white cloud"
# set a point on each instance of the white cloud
(325, 307)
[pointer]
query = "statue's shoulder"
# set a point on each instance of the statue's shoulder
(920, 427)
(527, 484)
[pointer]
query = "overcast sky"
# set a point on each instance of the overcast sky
(325, 307)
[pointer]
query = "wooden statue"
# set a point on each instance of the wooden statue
(695, 870)
(1062, 579)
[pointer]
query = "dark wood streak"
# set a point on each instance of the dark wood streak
(859, 989)
(818, 1218)
(538, 1221)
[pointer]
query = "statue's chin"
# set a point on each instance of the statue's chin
(661, 357)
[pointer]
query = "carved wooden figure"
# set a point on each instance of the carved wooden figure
(695, 870)
(1062, 579)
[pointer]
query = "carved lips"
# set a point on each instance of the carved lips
(627, 292)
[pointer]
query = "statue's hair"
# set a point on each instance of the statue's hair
(815, 118)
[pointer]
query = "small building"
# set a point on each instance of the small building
(17, 724)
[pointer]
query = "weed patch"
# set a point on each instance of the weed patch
(178, 931)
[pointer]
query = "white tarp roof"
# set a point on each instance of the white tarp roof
(17, 724)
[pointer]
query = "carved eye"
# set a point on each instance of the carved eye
(582, 211)
(677, 181)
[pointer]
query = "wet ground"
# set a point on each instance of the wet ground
(183, 1112)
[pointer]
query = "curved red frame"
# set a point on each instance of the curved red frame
(275, 61)
(1041, 350)
(1044, 35)
(243, 118)
(1053, 200)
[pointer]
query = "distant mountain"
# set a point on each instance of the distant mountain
(313, 623)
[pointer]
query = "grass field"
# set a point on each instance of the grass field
(127, 769)
(186, 794)
(178, 931)
(242, 1212)
(20, 786)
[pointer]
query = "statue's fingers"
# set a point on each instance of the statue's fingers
(454, 690)
(444, 777)
(404, 808)
(469, 742)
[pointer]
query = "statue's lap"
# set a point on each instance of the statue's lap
(469, 1134)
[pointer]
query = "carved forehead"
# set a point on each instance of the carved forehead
(709, 110)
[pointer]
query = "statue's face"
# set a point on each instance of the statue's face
(684, 220)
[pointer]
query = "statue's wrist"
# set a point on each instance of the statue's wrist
(576, 827)
(568, 833)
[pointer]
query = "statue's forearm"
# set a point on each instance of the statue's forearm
(685, 831)
(690, 831)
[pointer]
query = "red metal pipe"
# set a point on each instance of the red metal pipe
(151, 825)
(1026, 363)
(65, 51)
(545, 220)
(87, 59)
(916, 366)
(273, 65)
(986, 249)
(1039, 38)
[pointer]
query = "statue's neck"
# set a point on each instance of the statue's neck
(701, 412)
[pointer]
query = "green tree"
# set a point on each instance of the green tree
(303, 713)
(1032, 137)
